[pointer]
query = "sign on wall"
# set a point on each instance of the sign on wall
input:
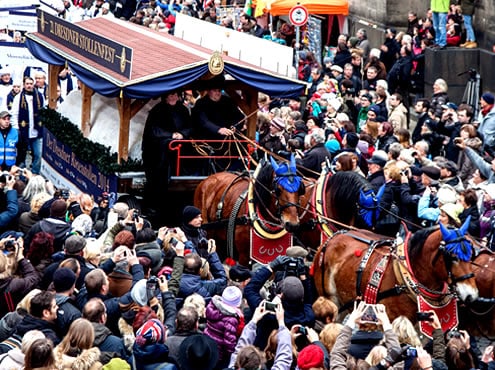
(61, 166)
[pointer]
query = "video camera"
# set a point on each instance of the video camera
(294, 266)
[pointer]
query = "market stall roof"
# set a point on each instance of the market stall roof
(160, 62)
(282, 7)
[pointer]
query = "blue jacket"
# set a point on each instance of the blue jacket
(8, 146)
(7, 216)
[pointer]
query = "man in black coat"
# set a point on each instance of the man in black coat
(375, 169)
(310, 162)
(168, 120)
(64, 282)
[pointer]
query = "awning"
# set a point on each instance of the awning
(160, 63)
(282, 7)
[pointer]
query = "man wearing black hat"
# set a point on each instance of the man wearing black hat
(448, 175)
(375, 169)
(191, 225)
(168, 120)
(64, 283)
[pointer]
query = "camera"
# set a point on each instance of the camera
(454, 333)
(9, 245)
(135, 215)
(302, 330)
(424, 316)
(203, 243)
(152, 285)
(64, 193)
(294, 265)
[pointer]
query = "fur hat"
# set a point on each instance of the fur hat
(292, 289)
(58, 208)
(446, 194)
(232, 296)
(311, 356)
(151, 332)
(190, 213)
(63, 279)
(198, 352)
(74, 244)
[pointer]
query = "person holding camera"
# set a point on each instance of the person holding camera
(191, 226)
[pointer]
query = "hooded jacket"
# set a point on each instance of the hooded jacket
(33, 323)
(66, 314)
(110, 346)
(55, 226)
(152, 357)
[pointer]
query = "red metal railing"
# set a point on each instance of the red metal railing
(176, 145)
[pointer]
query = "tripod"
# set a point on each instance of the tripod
(472, 91)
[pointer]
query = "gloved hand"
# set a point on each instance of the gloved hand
(279, 262)
(301, 267)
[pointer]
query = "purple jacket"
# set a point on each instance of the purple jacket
(222, 322)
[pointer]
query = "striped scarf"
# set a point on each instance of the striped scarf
(24, 114)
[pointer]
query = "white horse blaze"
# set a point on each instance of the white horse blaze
(465, 290)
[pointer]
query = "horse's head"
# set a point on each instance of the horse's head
(457, 251)
(288, 187)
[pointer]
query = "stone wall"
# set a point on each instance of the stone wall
(393, 13)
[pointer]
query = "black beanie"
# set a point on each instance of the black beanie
(189, 213)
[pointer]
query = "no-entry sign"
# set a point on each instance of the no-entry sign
(298, 15)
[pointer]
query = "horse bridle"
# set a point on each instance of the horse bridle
(449, 258)
(277, 192)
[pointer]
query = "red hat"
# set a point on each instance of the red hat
(311, 356)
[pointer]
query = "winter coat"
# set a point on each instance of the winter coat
(437, 100)
(153, 251)
(384, 142)
(468, 6)
(478, 161)
(66, 314)
(466, 167)
(487, 129)
(27, 220)
(12, 360)
(10, 211)
(57, 227)
(474, 223)
(190, 283)
(110, 346)
(152, 357)
(33, 323)
(397, 116)
(174, 341)
(376, 180)
(312, 160)
(88, 359)
(222, 325)
(440, 6)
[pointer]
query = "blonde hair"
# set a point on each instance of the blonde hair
(323, 308)
(204, 271)
(392, 171)
(25, 303)
(80, 336)
(197, 302)
(441, 84)
(376, 354)
(405, 331)
(329, 335)
(92, 250)
(86, 203)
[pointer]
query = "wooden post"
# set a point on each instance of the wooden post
(86, 93)
(124, 105)
(53, 72)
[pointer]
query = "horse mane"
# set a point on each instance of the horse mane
(343, 191)
(263, 187)
(417, 241)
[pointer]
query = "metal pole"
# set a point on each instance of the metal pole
(297, 50)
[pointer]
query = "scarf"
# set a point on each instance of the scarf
(486, 110)
(24, 113)
(69, 86)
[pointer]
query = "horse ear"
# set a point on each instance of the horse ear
(274, 164)
(465, 225)
(292, 164)
(445, 232)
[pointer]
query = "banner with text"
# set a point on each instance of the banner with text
(61, 166)
(17, 56)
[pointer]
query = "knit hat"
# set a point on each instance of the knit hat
(296, 251)
(488, 98)
(332, 145)
(58, 208)
(363, 146)
(198, 352)
(63, 279)
(116, 364)
(151, 332)
(311, 356)
(352, 139)
(453, 210)
(490, 190)
(74, 244)
(82, 224)
(292, 289)
(190, 213)
(239, 273)
(278, 123)
(432, 172)
(446, 194)
(139, 293)
(374, 108)
(232, 296)
(337, 68)
(335, 104)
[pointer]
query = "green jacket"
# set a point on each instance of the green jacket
(440, 6)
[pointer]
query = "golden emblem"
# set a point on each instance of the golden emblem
(122, 61)
(23, 124)
(215, 65)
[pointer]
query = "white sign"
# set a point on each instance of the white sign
(21, 21)
(248, 48)
(18, 58)
(298, 15)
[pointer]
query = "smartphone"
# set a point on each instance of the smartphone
(174, 242)
(269, 306)
(424, 316)
(302, 330)
(369, 315)
(411, 352)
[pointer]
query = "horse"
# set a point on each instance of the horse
(230, 206)
(478, 317)
(395, 272)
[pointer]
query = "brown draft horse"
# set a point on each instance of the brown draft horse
(478, 317)
(431, 264)
(278, 197)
